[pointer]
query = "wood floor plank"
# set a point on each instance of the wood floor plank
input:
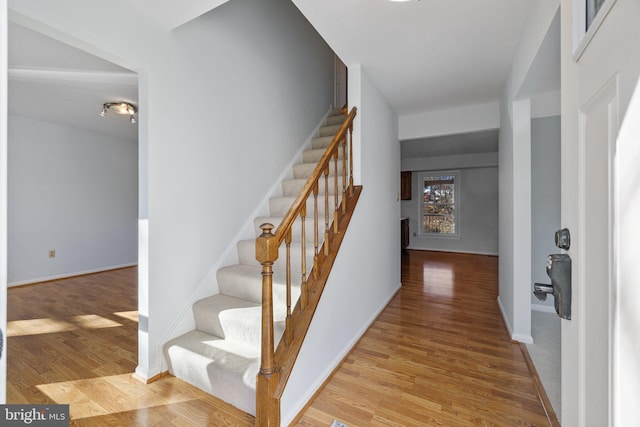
(75, 341)
(438, 355)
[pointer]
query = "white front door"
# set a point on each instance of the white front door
(3, 197)
(596, 94)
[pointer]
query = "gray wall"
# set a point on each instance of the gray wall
(72, 191)
(545, 196)
(478, 213)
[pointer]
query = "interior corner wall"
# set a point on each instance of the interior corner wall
(514, 176)
(72, 191)
(545, 197)
(356, 292)
(506, 216)
(230, 98)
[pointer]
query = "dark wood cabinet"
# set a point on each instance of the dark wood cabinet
(405, 185)
(404, 232)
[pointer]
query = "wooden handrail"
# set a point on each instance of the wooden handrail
(270, 383)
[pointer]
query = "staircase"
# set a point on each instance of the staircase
(222, 356)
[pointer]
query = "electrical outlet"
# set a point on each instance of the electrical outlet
(52, 253)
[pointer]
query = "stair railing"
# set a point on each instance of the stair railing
(275, 367)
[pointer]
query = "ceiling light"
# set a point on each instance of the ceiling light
(120, 108)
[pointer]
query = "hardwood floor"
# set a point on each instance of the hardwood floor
(438, 355)
(75, 341)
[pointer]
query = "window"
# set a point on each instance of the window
(588, 15)
(440, 203)
(593, 6)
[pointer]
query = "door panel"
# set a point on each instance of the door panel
(598, 127)
(599, 372)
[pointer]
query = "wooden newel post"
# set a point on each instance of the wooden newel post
(267, 406)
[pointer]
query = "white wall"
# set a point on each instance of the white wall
(356, 292)
(469, 118)
(545, 198)
(71, 191)
(225, 102)
(478, 208)
(515, 179)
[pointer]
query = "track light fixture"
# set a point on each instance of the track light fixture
(120, 108)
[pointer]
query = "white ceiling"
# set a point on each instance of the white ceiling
(425, 55)
(171, 13)
(54, 82)
(422, 55)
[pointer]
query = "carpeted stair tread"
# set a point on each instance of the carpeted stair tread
(336, 119)
(292, 187)
(245, 282)
(214, 314)
(321, 142)
(296, 228)
(304, 170)
(247, 256)
(279, 206)
(314, 155)
(329, 130)
(222, 368)
(233, 319)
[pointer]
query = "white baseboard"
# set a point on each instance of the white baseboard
(523, 338)
(304, 399)
(505, 319)
(413, 248)
(72, 274)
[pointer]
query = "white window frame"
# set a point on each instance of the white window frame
(581, 35)
(457, 203)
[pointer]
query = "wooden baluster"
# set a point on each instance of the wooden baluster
(326, 211)
(303, 246)
(343, 144)
(288, 327)
(351, 159)
(267, 405)
(336, 213)
(316, 225)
